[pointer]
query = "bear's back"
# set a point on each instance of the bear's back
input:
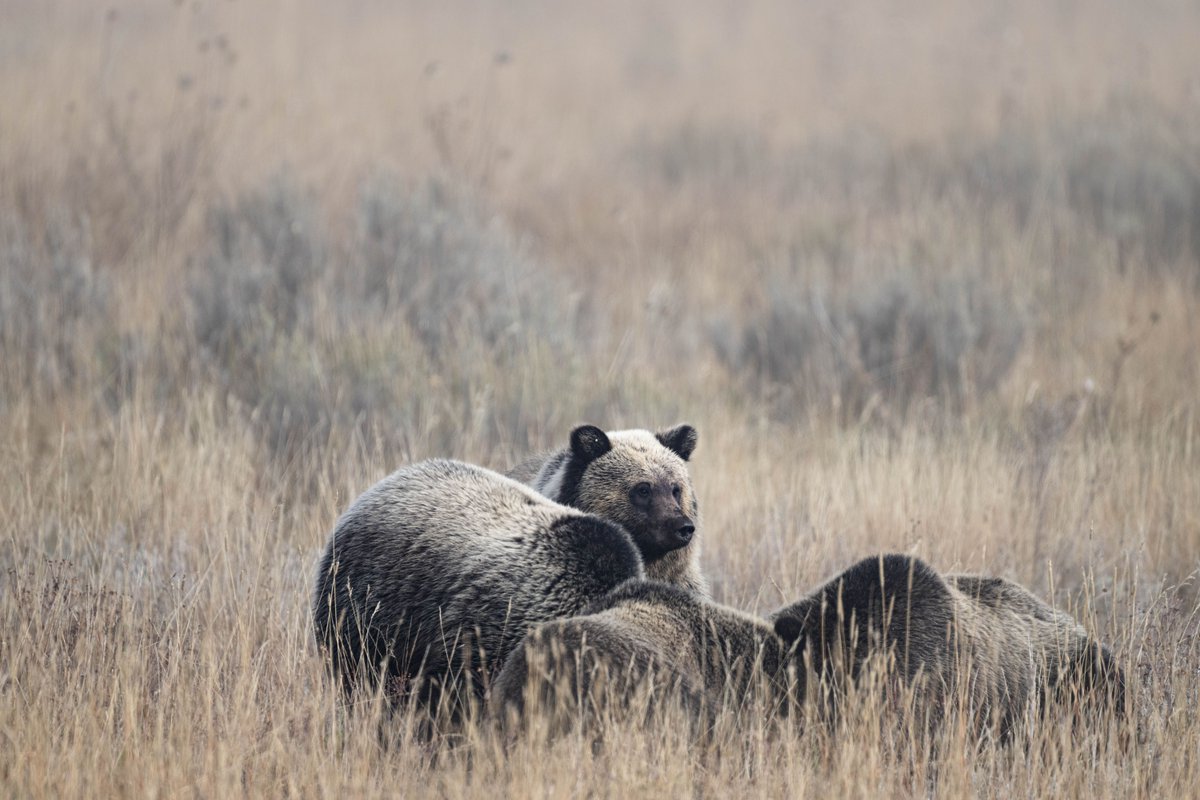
(452, 499)
(715, 654)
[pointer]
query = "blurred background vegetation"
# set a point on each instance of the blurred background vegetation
(924, 275)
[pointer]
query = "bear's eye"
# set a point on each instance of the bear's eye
(641, 493)
(677, 491)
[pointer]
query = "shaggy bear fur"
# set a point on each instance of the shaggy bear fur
(434, 574)
(637, 479)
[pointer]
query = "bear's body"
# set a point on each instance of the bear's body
(637, 479)
(983, 641)
(440, 568)
(1020, 635)
(645, 635)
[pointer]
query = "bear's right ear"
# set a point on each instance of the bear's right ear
(589, 443)
(789, 629)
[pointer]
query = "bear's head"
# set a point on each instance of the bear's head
(637, 479)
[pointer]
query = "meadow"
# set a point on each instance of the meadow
(926, 278)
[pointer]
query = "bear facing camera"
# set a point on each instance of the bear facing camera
(638, 479)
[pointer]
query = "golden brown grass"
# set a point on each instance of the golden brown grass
(631, 216)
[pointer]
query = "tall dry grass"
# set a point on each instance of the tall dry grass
(925, 278)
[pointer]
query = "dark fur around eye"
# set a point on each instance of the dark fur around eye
(640, 493)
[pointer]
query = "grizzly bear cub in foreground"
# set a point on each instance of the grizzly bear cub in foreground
(638, 480)
(981, 641)
(646, 641)
(434, 574)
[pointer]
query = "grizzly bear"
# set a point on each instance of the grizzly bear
(434, 574)
(984, 642)
(637, 479)
(645, 642)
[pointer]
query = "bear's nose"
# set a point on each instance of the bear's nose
(684, 532)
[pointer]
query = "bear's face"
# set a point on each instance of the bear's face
(637, 479)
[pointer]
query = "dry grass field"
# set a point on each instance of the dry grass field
(925, 276)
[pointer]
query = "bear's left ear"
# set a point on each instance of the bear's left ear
(589, 443)
(789, 629)
(681, 440)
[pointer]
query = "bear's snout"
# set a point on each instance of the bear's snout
(684, 529)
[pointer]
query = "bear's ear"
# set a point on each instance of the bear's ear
(681, 440)
(589, 443)
(789, 629)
